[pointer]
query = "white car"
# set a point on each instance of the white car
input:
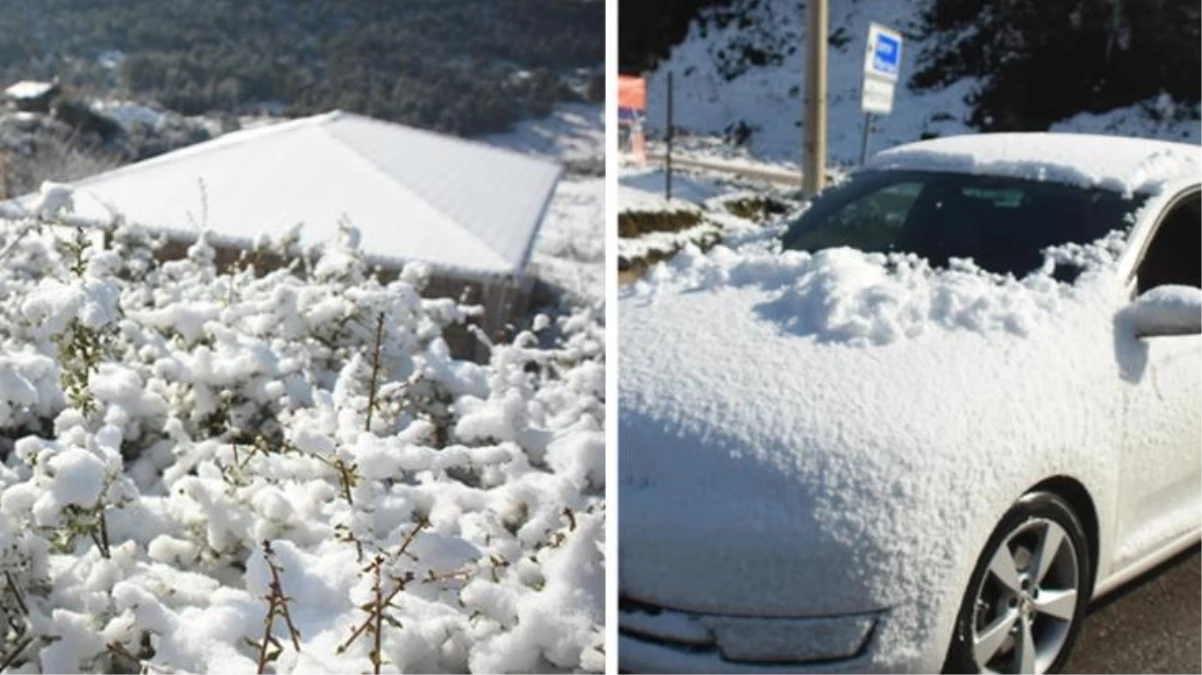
(849, 449)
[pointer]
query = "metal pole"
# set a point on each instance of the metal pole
(813, 175)
(668, 138)
(867, 134)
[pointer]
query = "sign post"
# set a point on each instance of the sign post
(882, 61)
(632, 109)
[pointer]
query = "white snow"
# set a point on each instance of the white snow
(226, 410)
(570, 249)
(28, 89)
(768, 98)
(128, 113)
(1167, 309)
(53, 199)
(1126, 165)
(396, 184)
(717, 88)
(646, 190)
(703, 193)
(1155, 118)
(793, 424)
(573, 132)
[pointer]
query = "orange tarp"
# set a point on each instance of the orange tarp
(632, 92)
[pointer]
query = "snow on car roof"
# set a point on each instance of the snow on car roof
(1121, 164)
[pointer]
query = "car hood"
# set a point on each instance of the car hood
(792, 445)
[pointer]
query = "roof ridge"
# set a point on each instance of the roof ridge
(519, 258)
(339, 114)
(350, 150)
(232, 138)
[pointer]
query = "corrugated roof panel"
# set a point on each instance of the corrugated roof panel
(413, 195)
(497, 195)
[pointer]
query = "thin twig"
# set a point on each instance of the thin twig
(375, 370)
(12, 656)
(277, 605)
(376, 653)
(12, 585)
(345, 477)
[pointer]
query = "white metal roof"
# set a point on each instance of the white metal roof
(413, 195)
(1111, 162)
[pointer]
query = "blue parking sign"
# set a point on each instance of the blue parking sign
(887, 54)
(882, 64)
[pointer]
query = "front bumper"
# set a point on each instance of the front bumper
(655, 639)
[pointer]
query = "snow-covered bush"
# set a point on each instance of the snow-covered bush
(249, 470)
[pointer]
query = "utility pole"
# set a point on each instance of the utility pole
(813, 175)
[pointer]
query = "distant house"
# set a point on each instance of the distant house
(470, 210)
(32, 95)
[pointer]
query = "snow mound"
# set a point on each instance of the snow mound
(850, 297)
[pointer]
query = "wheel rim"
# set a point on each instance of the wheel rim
(1027, 601)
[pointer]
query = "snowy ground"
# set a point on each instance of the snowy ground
(574, 134)
(163, 426)
(570, 249)
(702, 210)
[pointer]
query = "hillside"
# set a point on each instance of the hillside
(738, 74)
(743, 65)
(466, 67)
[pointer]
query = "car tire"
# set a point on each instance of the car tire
(1028, 593)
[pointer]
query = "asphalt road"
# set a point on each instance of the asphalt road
(1153, 625)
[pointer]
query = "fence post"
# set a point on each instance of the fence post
(668, 156)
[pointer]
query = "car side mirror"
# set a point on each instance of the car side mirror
(1166, 310)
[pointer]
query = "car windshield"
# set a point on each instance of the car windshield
(1003, 224)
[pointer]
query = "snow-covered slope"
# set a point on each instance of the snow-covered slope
(569, 251)
(718, 84)
(574, 134)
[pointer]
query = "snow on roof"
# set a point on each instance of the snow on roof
(413, 195)
(29, 89)
(1116, 163)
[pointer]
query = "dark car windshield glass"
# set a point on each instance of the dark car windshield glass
(1003, 224)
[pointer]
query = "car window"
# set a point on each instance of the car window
(1172, 256)
(874, 221)
(1002, 224)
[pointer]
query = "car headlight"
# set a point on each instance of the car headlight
(789, 640)
(749, 639)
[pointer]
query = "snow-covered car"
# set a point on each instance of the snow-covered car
(955, 400)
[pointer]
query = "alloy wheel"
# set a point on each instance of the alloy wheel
(1027, 601)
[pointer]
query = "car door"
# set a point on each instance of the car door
(1160, 484)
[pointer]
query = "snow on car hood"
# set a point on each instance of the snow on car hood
(839, 432)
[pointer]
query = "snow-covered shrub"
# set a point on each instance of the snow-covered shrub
(183, 447)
